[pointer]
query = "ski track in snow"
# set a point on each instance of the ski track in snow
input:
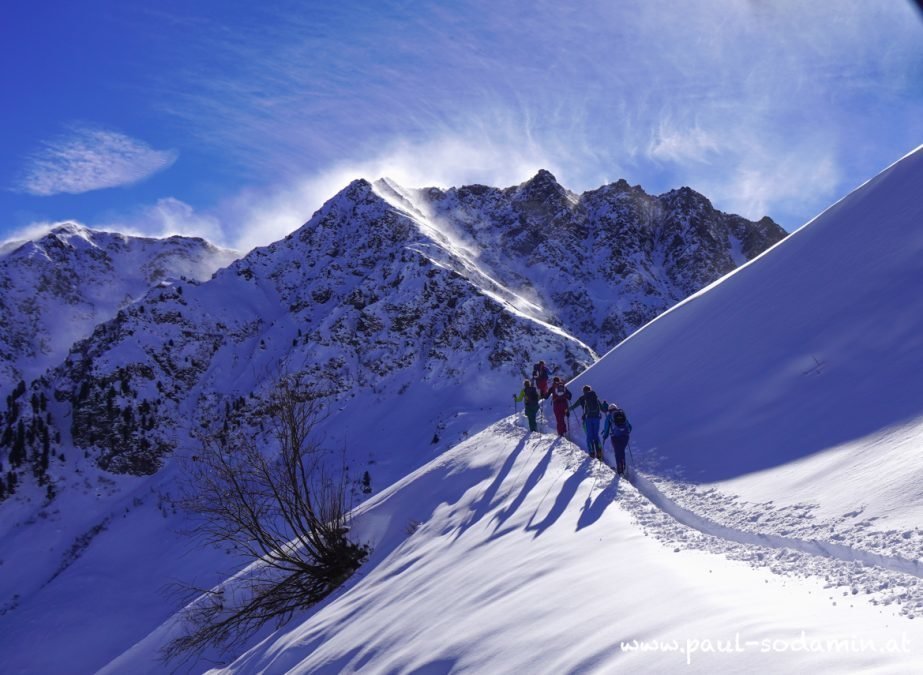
(882, 579)
(818, 547)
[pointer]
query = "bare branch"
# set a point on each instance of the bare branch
(277, 500)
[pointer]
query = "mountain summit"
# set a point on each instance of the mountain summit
(600, 264)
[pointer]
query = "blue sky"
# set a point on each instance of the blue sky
(236, 120)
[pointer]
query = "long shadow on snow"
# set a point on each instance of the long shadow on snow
(534, 478)
(484, 505)
(388, 516)
(593, 511)
(568, 490)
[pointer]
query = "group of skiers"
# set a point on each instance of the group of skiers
(594, 411)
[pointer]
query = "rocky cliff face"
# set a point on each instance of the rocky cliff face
(600, 264)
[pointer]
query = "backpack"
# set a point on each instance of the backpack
(591, 404)
(619, 423)
(559, 391)
(531, 395)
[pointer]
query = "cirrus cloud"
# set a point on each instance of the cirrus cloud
(90, 158)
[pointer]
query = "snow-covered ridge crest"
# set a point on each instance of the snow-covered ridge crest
(461, 255)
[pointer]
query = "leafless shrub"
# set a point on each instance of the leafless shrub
(274, 497)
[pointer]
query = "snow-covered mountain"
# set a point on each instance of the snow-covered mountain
(359, 298)
(770, 521)
(380, 291)
(56, 289)
(417, 332)
(600, 264)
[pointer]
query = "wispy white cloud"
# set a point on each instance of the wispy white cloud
(89, 158)
(690, 145)
(25, 233)
(759, 183)
(166, 217)
(478, 92)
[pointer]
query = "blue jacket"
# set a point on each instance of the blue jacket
(611, 428)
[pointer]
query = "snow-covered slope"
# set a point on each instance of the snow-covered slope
(787, 397)
(56, 289)
(776, 465)
(514, 552)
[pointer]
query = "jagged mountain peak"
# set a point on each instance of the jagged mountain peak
(73, 236)
(543, 186)
(685, 195)
(67, 228)
(620, 189)
(543, 177)
(359, 210)
(59, 237)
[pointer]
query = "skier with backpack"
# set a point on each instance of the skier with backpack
(530, 395)
(560, 395)
(619, 428)
(592, 411)
(540, 378)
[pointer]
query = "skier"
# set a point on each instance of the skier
(617, 426)
(540, 378)
(530, 395)
(591, 414)
(560, 395)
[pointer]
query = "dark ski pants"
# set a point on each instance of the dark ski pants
(531, 412)
(542, 387)
(560, 413)
(619, 443)
(592, 435)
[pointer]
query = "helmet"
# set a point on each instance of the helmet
(587, 387)
(613, 407)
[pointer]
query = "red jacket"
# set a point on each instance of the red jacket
(560, 395)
